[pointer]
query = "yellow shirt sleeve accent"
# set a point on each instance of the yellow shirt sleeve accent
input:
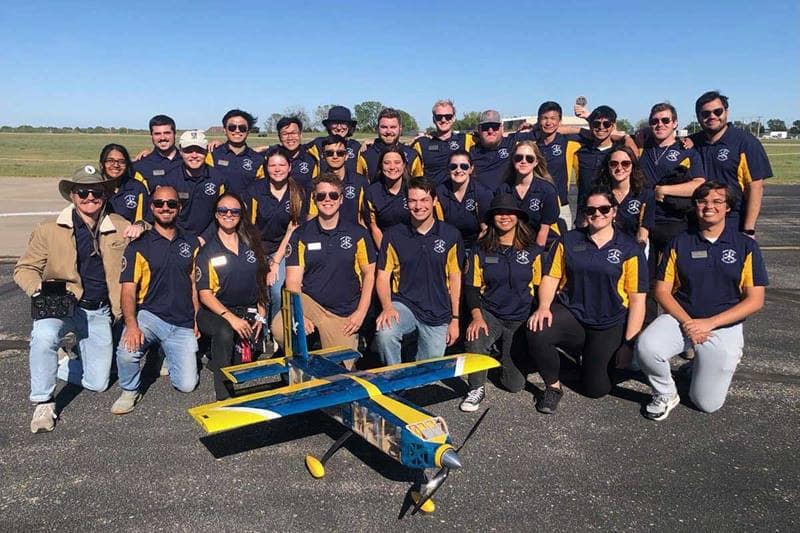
(209, 159)
(746, 279)
(477, 272)
(141, 179)
(253, 210)
(572, 161)
(361, 165)
(141, 276)
(393, 266)
(743, 172)
(452, 266)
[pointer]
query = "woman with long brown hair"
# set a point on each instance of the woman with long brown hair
(387, 198)
(636, 202)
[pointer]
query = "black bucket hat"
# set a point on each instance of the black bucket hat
(339, 113)
(505, 202)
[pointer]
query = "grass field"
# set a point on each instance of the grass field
(53, 155)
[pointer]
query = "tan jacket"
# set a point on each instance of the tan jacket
(52, 253)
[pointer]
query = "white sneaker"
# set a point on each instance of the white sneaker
(126, 402)
(164, 369)
(473, 400)
(44, 418)
(662, 404)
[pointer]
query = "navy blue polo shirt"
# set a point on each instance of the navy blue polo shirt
(635, 211)
(465, 215)
(435, 154)
(507, 279)
(368, 160)
(197, 196)
(155, 168)
(560, 157)
(238, 170)
(271, 215)
(162, 272)
(333, 263)
(707, 278)
(230, 277)
(540, 203)
(736, 159)
(589, 160)
(595, 282)
(354, 189)
(420, 266)
(384, 208)
(492, 166)
(131, 200)
(316, 150)
(660, 162)
(90, 264)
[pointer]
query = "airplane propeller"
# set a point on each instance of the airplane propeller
(449, 460)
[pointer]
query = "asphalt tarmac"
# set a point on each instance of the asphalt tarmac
(595, 465)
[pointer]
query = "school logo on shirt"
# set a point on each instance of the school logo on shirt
(673, 155)
(286, 206)
(184, 249)
(123, 265)
(197, 274)
(346, 242)
(210, 189)
(130, 201)
(614, 256)
(251, 256)
(634, 206)
(438, 246)
(523, 257)
(722, 155)
(728, 256)
(556, 150)
(350, 192)
(303, 167)
(535, 204)
(247, 164)
(503, 153)
(454, 145)
(470, 204)
(350, 153)
(405, 204)
(288, 249)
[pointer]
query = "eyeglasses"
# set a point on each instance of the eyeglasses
(591, 210)
(462, 166)
(83, 194)
(527, 157)
(321, 196)
(288, 134)
(716, 112)
(489, 126)
(626, 164)
(663, 120)
(159, 203)
(337, 153)
(117, 162)
(234, 211)
(242, 128)
(704, 203)
(601, 124)
(439, 117)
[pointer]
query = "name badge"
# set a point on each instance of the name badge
(492, 260)
(433, 147)
(579, 247)
(699, 254)
(219, 261)
(183, 195)
(315, 246)
(223, 163)
(158, 172)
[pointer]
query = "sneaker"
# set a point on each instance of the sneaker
(662, 404)
(164, 370)
(44, 418)
(126, 402)
(548, 401)
(473, 400)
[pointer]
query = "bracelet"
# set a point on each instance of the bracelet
(454, 317)
(261, 319)
(223, 313)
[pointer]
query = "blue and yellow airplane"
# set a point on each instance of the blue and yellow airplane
(362, 401)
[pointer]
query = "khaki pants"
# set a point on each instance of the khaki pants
(328, 325)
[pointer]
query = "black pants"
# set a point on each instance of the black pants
(223, 339)
(596, 346)
(511, 337)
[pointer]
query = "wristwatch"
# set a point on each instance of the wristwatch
(750, 232)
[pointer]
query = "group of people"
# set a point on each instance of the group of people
(461, 240)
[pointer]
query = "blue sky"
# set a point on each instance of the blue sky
(96, 63)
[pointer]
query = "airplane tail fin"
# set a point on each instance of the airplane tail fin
(294, 331)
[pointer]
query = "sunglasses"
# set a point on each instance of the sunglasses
(489, 126)
(601, 124)
(234, 211)
(321, 196)
(443, 116)
(337, 153)
(83, 194)
(663, 120)
(462, 166)
(603, 209)
(242, 128)
(716, 112)
(159, 203)
(527, 157)
(624, 164)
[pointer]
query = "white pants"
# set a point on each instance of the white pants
(566, 215)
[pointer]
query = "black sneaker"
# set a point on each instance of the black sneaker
(548, 401)
(473, 400)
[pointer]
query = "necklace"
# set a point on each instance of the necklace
(664, 151)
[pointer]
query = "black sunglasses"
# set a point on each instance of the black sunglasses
(489, 126)
(321, 196)
(527, 157)
(591, 210)
(337, 153)
(663, 120)
(235, 211)
(716, 112)
(462, 166)
(601, 124)
(172, 204)
(442, 116)
(623, 164)
(83, 194)
(241, 127)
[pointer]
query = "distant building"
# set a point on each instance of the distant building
(779, 135)
(511, 123)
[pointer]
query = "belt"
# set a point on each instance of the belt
(92, 305)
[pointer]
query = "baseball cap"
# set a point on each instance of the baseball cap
(193, 138)
(490, 116)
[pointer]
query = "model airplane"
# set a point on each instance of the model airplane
(362, 401)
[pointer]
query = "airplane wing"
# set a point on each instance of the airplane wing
(333, 390)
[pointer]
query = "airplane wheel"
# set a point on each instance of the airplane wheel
(428, 507)
(315, 467)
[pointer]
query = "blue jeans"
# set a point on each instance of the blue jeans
(275, 291)
(180, 348)
(93, 332)
(431, 340)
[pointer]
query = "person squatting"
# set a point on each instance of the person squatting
(458, 241)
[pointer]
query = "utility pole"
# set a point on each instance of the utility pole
(758, 128)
